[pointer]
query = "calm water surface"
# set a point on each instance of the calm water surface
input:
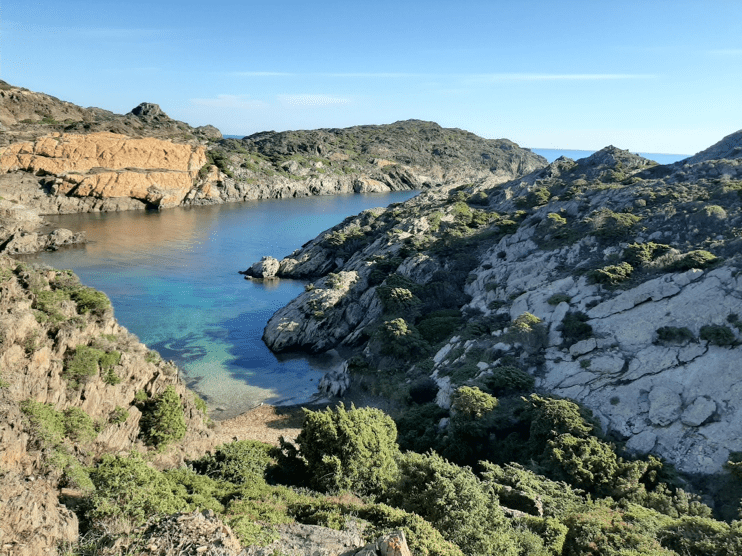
(172, 278)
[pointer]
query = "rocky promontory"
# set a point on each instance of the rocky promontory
(60, 158)
(607, 280)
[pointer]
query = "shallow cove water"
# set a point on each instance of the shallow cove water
(172, 278)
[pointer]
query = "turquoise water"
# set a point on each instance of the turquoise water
(172, 277)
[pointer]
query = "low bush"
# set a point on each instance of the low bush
(574, 328)
(244, 461)
(162, 419)
(473, 402)
(349, 449)
(455, 502)
(693, 259)
(507, 380)
(611, 275)
(718, 335)
(674, 335)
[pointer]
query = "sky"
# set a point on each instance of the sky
(663, 76)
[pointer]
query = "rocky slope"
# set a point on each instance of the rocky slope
(609, 280)
(404, 155)
(73, 386)
(60, 158)
(79, 393)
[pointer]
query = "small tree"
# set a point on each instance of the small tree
(163, 421)
(349, 450)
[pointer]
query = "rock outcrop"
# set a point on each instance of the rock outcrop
(630, 270)
(106, 165)
(50, 328)
(364, 159)
(23, 231)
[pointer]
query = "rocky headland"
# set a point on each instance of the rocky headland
(608, 280)
(565, 336)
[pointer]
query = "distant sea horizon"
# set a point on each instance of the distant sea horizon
(575, 154)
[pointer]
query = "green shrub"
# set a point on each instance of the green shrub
(49, 302)
(78, 426)
(422, 537)
(47, 424)
(509, 379)
(118, 415)
(90, 301)
(612, 274)
(400, 339)
(674, 335)
(473, 402)
(718, 335)
(51, 426)
(81, 365)
(398, 301)
(455, 502)
(637, 254)
(574, 328)
(602, 530)
(699, 536)
(522, 489)
(611, 225)
(128, 489)
(349, 449)
(243, 461)
(162, 420)
(549, 531)
(418, 427)
(525, 322)
(693, 259)
(439, 325)
(535, 198)
(558, 298)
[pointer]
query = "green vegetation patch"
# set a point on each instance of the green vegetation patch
(674, 335)
(637, 254)
(718, 335)
(610, 225)
(611, 275)
(84, 362)
(694, 259)
(349, 449)
(163, 421)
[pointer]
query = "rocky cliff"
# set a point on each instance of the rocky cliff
(74, 385)
(404, 155)
(59, 158)
(608, 280)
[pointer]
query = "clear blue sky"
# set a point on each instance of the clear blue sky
(658, 76)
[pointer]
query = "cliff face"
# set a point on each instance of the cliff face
(73, 386)
(107, 165)
(610, 280)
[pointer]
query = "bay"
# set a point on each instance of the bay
(172, 277)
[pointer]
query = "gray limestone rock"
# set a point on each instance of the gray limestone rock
(664, 405)
(698, 412)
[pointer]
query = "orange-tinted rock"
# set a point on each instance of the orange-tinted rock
(106, 165)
